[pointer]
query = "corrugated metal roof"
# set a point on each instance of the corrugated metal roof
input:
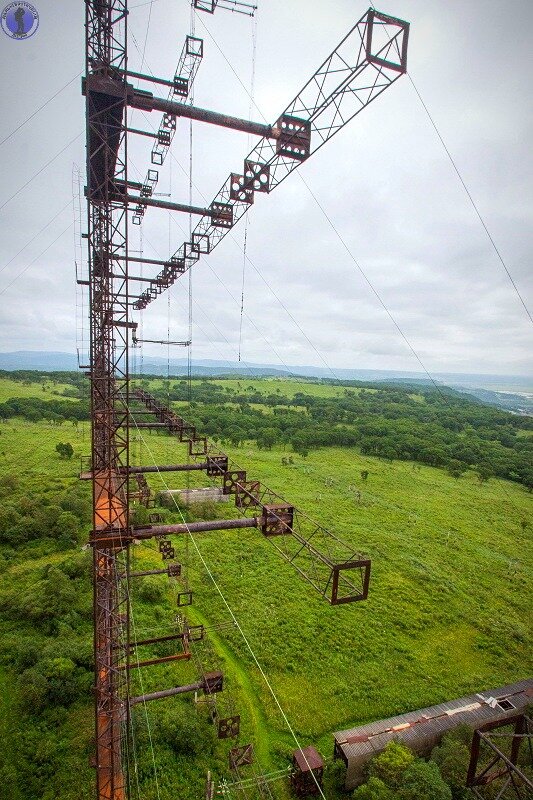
(474, 710)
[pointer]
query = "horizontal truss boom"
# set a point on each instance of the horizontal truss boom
(369, 59)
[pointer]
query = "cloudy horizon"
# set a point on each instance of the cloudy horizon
(384, 181)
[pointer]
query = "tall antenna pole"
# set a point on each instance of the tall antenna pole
(105, 90)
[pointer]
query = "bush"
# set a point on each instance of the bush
(375, 789)
(185, 732)
(65, 449)
(452, 757)
(205, 509)
(151, 590)
(423, 781)
(390, 765)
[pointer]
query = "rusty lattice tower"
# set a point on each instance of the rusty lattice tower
(370, 58)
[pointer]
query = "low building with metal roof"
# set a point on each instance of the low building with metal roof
(423, 729)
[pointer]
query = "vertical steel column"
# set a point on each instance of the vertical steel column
(106, 22)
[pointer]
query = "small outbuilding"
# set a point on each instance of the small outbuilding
(308, 771)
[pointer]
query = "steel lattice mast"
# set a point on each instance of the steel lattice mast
(105, 91)
(368, 60)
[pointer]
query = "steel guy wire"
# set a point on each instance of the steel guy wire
(36, 235)
(13, 132)
(36, 174)
(32, 262)
(470, 197)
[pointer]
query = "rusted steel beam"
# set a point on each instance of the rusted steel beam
(185, 656)
(169, 638)
(197, 527)
(142, 77)
(168, 468)
(145, 101)
(147, 572)
(139, 260)
(189, 527)
(144, 698)
(149, 201)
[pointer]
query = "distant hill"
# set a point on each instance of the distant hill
(510, 392)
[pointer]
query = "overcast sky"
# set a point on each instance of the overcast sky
(385, 182)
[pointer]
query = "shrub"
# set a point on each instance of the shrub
(65, 449)
(184, 732)
(390, 765)
(452, 757)
(423, 781)
(375, 789)
(151, 590)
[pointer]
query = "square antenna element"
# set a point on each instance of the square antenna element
(231, 481)
(195, 46)
(190, 253)
(258, 174)
(213, 682)
(222, 215)
(229, 727)
(294, 137)
(238, 191)
(206, 5)
(240, 756)
(181, 86)
(200, 243)
(198, 447)
(386, 41)
(157, 157)
(216, 465)
(176, 265)
(184, 599)
(169, 122)
(195, 633)
(163, 138)
(153, 176)
(343, 587)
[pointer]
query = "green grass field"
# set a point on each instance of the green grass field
(449, 610)
(51, 391)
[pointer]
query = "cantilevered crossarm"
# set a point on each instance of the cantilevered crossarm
(371, 57)
(328, 563)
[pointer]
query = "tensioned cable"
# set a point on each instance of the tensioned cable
(26, 268)
(146, 37)
(36, 174)
(132, 619)
(382, 303)
(256, 269)
(247, 216)
(370, 284)
(39, 109)
(139, 672)
(236, 622)
(36, 235)
(469, 195)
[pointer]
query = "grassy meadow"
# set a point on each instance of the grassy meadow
(449, 609)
